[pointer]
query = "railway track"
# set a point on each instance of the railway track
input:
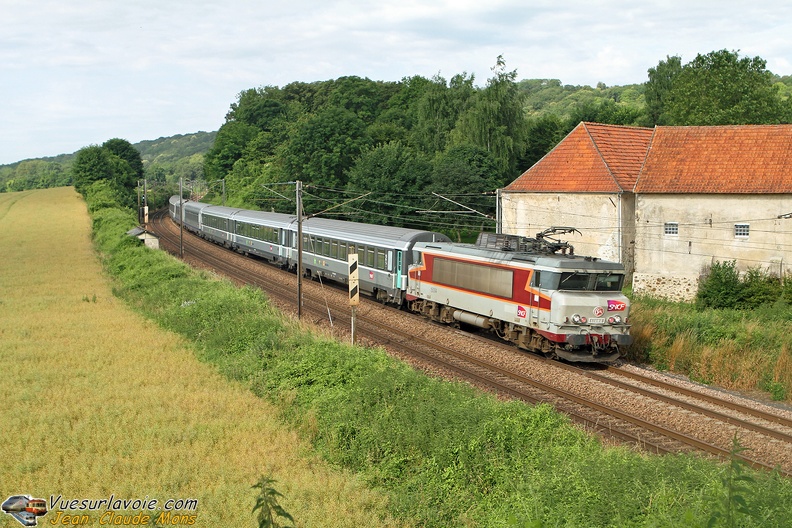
(603, 419)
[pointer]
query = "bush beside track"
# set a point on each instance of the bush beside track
(446, 454)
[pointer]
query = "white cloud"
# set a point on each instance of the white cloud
(80, 73)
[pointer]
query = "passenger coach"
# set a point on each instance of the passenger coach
(384, 253)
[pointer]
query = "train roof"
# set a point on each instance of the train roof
(218, 210)
(188, 204)
(278, 220)
(570, 262)
(370, 233)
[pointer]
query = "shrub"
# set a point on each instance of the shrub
(722, 287)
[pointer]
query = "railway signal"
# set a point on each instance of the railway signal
(354, 289)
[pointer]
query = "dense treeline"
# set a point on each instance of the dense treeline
(429, 152)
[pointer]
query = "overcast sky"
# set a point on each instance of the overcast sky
(76, 73)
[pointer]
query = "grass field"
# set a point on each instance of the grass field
(96, 401)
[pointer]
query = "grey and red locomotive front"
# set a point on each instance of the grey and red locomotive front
(532, 292)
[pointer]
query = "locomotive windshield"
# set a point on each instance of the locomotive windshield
(553, 280)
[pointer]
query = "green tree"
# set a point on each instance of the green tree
(495, 120)
(468, 175)
(720, 88)
(401, 109)
(92, 163)
(542, 135)
(325, 146)
(124, 150)
(365, 98)
(661, 78)
(394, 174)
(95, 164)
(438, 110)
(229, 146)
(260, 107)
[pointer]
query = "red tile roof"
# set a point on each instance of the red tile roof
(592, 158)
(746, 159)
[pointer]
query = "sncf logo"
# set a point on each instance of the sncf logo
(616, 306)
(521, 311)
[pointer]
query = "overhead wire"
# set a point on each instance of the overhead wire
(387, 211)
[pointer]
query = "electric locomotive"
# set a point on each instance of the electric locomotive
(534, 292)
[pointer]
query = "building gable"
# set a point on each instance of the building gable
(592, 158)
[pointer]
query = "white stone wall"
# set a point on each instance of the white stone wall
(673, 288)
(706, 225)
(596, 216)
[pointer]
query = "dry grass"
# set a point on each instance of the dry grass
(782, 371)
(95, 401)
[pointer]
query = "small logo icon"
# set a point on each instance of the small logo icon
(616, 306)
(598, 311)
(25, 509)
(521, 311)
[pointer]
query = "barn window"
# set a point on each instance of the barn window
(671, 228)
(741, 230)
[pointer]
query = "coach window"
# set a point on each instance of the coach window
(370, 257)
(342, 251)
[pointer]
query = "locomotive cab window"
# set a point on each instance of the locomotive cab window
(609, 282)
(552, 280)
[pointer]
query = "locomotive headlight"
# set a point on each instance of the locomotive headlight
(578, 319)
(614, 319)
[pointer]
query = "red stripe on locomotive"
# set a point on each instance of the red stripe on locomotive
(522, 292)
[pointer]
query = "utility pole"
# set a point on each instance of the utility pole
(299, 249)
(145, 202)
(138, 195)
(181, 220)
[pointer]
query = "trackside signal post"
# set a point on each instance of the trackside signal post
(354, 290)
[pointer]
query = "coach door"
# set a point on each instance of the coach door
(398, 269)
(533, 303)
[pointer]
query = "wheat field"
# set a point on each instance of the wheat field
(96, 402)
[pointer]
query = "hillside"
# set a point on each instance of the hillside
(164, 159)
